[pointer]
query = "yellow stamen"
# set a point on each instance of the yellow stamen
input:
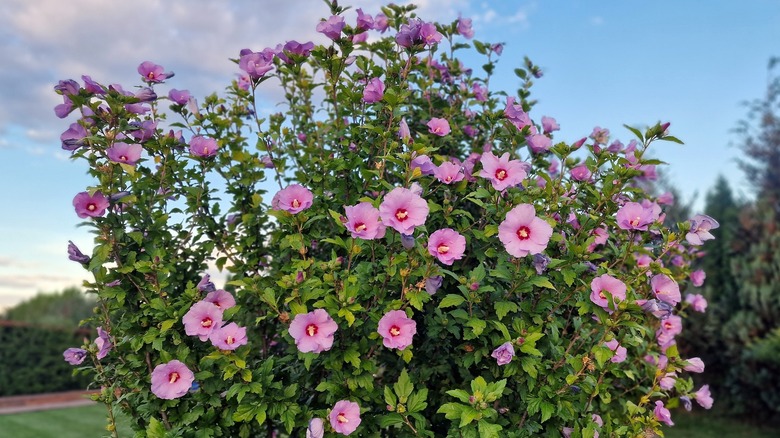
(395, 331)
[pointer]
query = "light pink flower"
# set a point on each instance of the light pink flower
(313, 331)
(599, 135)
(345, 417)
(694, 365)
(124, 153)
(538, 143)
(662, 414)
(228, 337)
(523, 233)
(103, 343)
(703, 397)
(667, 381)
(671, 325)
(449, 172)
(171, 380)
(701, 224)
(609, 284)
(697, 301)
(515, 114)
(374, 91)
(447, 245)
(666, 198)
(202, 318)
(316, 428)
(87, 205)
(332, 27)
(502, 172)
(294, 199)
(580, 173)
(403, 210)
(665, 289)
(620, 352)
(549, 124)
(440, 127)
(397, 329)
(504, 353)
(203, 146)
(464, 27)
(221, 298)
(363, 221)
(403, 130)
(633, 216)
(697, 277)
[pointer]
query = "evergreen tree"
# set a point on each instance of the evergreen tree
(59, 309)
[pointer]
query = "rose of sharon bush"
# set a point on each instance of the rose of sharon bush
(525, 286)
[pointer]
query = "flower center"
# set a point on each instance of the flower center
(311, 329)
(523, 233)
(635, 221)
(401, 214)
(342, 418)
(206, 322)
(448, 179)
(150, 75)
(668, 325)
(395, 331)
(230, 340)
(360, 227)
(122, 158)
(173, 377)
(601, 294)
(443, 249)
(91, 207)
(501, 174)
(296, 203)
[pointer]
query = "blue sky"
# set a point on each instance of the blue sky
(605, 63)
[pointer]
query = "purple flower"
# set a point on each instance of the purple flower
(416, 33)
(432, 284)
(515, 114)
(92, 86)
(313, 331)
(397, 329)
(464, 28)
(523, 233)
(538, 143)
(658, 308)
(503, 354)
(180, 97)
(440, 127)
(407, 241)
(374, 91)
(611, 285)
(363, 221)
(447, 245)
(633, 216)
(62, 110)
(228, 337)
(703, 397)
(293, 199)
(599, 135)
(75, 254)
(364, 21)
(701, 224)
(171, 380)
(145, 94)
(667, 381)
(403, 210)
(665, 289)
(205, 284)
(580, 173)
(74, 356)
(380, 22)
(540, 263)
(480, 92)
(403, 131)
(124, 153)
(620, 352)
(73, 137)
(87, 205)
(662, 414)
(697, 301)
(202, 318)
(299, 49)
(316, 428)
(153, 73)
(694, 365)
(67, 87)
(103, 343)
(220, 298)
(256, 64)
(549, 124)
(203, 146)
(331, 27)
(424, 163)
(143, 131)
(502, 172)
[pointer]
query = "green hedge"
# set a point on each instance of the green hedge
(31, 359)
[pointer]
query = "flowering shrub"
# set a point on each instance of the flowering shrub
(409, 253)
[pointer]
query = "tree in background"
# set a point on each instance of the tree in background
(57, 309)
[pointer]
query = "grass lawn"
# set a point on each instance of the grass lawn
(79, 422)
(708, 425)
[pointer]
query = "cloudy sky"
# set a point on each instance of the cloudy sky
(605, 63)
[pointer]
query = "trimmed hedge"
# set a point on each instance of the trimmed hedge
(31, 359)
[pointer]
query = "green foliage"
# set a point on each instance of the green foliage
(59, 309)
(181, 212)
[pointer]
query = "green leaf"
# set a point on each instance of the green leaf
(504, 307)
(166, 325)
(636, 132)
(155, 429)
(390, 397)
(488, 430)
(548, 409)
(469, 414)
(451, 300)
(529, 366)
(392, 419)
(539, 281)
(602, 354)
(404, 387)
(459, 394)
(417, 401)
(451, 410)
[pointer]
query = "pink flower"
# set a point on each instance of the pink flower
(374, 91)
(504, 353)
(549, 124)
(697, 277)
(403, 130)
(152, 72)
(662, 414)
(103, 343)
(171, 380)
(363, 221)
(633, 216)
(345, 417)
(609, 284)
(666, 198)
(316, 428)
(671, 325)
(538, 143)
(599, 135)
(701, 224)
(180, 97)
(294, 199)
(90, 205)
(331, 27)
(523, 233)
(515, 114)
(447, 245)
(74, 356)
(502, 172)
(694, 365)
(667, 381)
(424, 163)
(620, 352)
(313, 331)
(201, 319)
(580, 173)
(440, 127)
(203, 146)
(464, 27)
(403, 210)
(397, 329)
(124, 153)
(221, 298)
(228, 337)
(449, 172)
(665, 289)
(697, 301)
(703, 397)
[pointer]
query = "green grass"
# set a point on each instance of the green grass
(709, 425)
(80, 422)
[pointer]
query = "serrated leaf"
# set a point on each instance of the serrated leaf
(390, 397)
(504, 307)
(542, 282)
(451, 410)
(548, 409)
(392, 419)
(468, 414)
(155, 429)
(451, 300)
(459, 394)
(417, 401)
(488, 430)
(403, 387)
